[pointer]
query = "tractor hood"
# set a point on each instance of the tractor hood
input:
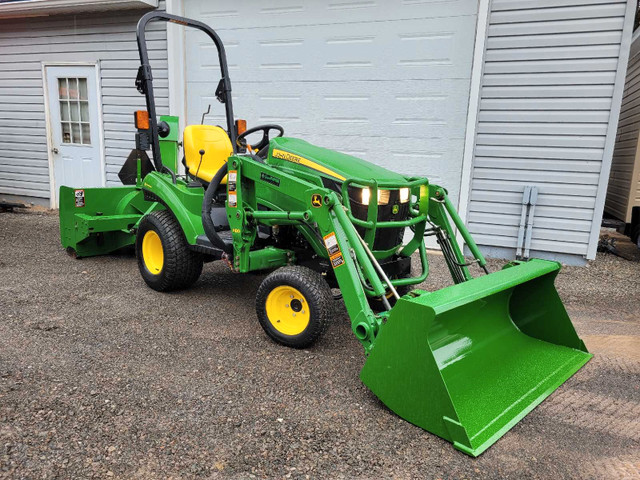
(294, 153)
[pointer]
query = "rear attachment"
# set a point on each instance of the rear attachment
(469, 361)
(97, 221)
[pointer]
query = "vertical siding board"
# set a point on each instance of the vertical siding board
(549, 90)
(623, 190)
(616, 104)
(108, 40)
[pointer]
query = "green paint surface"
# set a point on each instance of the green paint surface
(346, 165)
(468, 361)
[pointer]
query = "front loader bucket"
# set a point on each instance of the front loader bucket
(469, 361)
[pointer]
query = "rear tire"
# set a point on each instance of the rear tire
(294, 306)
(165, 261)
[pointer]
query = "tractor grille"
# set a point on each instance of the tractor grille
(386, 238)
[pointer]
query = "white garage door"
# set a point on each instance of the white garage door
(385, 80)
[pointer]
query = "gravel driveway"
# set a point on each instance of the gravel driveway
(101, 377)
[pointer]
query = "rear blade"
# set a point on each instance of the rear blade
(469, 361)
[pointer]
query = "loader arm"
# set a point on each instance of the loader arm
(325, 224)
(466, 362)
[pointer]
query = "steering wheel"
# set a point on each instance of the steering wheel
(256, 147)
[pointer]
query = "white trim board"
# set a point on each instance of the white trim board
(176, 54)
(477, 70)
(612, 128)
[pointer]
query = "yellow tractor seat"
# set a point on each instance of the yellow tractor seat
(217, 149)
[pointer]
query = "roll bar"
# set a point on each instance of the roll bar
(144, 80)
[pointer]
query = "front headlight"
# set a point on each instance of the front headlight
(404, 195)
(366, 195)
(383, 196)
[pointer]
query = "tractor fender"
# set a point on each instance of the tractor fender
(184, 203)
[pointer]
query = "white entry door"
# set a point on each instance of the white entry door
(73, 119)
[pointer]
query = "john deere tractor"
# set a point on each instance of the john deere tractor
(466, 362)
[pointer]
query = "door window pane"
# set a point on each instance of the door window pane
(86, 134)
(82, 88)
(62, 88)
(66, 133)
(74, 111)
(75, 133)
(84, 111)
(64, 111)
(73, 88)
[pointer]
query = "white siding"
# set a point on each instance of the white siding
(545, 106)
(624, 182)
(106, 38)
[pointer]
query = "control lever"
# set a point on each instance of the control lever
(195, 183)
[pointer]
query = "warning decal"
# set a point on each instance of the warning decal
(335, 255)
(79, 198)
(232, 196)
(331, 243)
(337, 260)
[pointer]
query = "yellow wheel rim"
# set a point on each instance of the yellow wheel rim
(287, 310)
(152, 253)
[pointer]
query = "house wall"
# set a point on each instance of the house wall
(623, 192)
(106, 38)
(549, 98)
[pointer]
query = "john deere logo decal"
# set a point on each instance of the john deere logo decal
(316, 200)
(395, 209)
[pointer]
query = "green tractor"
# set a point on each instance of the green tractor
(466, 362)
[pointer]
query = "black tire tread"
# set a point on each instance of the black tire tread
(182, 266)
(318, 294)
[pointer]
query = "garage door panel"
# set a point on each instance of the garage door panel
(417, 109)
(407, 49)
(244, 14)
(385, 80)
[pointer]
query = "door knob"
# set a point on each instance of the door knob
(54, 150)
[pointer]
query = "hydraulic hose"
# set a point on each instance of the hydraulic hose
(207, 222)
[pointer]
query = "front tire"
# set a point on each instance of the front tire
(294, 306)
(165, 261)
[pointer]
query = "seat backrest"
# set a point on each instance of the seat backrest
(217, 149)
